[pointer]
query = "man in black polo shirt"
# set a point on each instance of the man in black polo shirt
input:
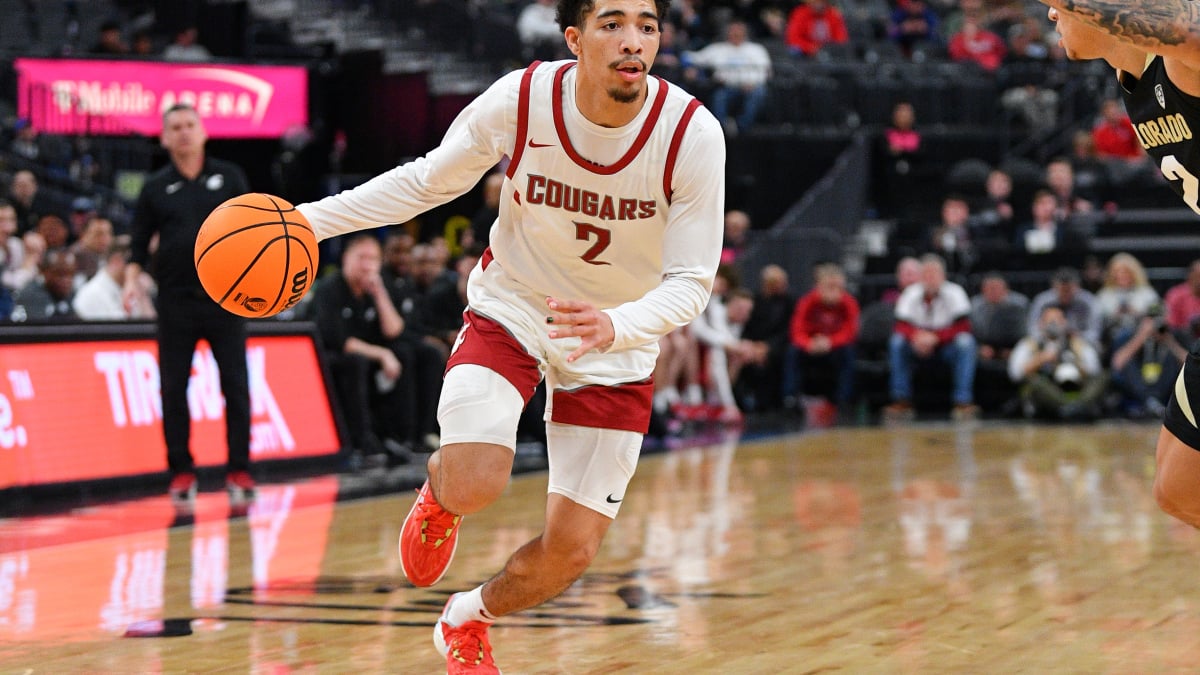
(173, 203)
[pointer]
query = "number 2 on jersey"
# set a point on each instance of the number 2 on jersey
(584, 232)
(1174, 170)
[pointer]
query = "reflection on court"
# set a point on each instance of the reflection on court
(928, 549)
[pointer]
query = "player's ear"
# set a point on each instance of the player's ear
(572, 35)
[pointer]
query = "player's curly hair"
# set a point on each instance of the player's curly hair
(571, 12)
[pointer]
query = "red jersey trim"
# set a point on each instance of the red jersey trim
(522, 119)
(487, 343)
(623, 406)
(676, 141)
(643, 136)
(487, 258)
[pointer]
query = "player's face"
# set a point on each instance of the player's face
(1080, 40)
(616, 47)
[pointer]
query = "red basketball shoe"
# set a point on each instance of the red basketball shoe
(466, 648)
(183, 487)
(427, 540)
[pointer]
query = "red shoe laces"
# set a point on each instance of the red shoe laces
(437, 524)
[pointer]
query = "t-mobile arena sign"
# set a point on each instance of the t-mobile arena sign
(128, 97)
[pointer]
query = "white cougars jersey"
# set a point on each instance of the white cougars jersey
(628, 218)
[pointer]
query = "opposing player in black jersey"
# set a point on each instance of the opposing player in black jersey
(1154, 45)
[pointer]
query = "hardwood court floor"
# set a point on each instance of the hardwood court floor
(980, 549)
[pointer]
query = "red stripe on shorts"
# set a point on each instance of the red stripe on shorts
(486, 343)
(623, 406)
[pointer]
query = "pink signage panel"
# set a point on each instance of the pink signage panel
(128, 97)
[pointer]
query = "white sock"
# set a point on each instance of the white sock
(694, 395)
(469, 607)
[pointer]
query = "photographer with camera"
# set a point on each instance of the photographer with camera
(1145, 366)
(1058, 371)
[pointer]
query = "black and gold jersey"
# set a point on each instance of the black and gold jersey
(1164, 118)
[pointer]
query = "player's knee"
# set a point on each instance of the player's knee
(467, 477)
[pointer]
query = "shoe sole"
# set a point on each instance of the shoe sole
(400, 548)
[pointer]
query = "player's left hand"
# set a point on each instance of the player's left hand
(573, 318)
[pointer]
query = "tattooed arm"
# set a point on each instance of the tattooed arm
(1167, 27)
(1136, 29)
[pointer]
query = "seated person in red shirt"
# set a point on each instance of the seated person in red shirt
(814, 24)
(1182, 304)
(824, 328)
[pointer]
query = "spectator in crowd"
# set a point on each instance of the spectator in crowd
(908, 272)
(48, 298)
(186, 47)
(1079, 306)
(489, 210)
(741, 69)
(12, 249)
(539, 33)
(92, 247)
(1182, 304)
(1092, 174)
(142, 45)
(441, 309)
(814, 24)
(975, 44)
(1060, 180)
(995, 212)
(677, 390)
(398, 257)
(932, 322)
(914, 25)
(760, 386)
(360, 329)
(823, 331)
(1058, 371)
(16, 277)
(737, 235)
(1114, 135)
(998, 323)
(54, 230)
(29, 200)
(428, 268)
(26, 142)
(1045, 237)
(110, 42)
(902, 143)
(1126, 298)
(1117, 145)
(997, 318)
(718, 330)
(960, 13)
(82, 210)
(952, 238)
(1145, 367)
(101, 298)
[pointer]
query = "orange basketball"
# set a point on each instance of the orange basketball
(256, 255)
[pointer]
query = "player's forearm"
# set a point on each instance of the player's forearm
(1153, 25)
(673, 303)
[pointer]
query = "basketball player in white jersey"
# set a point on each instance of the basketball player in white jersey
(608, 237)
(1154, 45)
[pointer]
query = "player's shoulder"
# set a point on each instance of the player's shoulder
(702, 124)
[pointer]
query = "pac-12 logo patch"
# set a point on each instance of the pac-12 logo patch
(1158, 94)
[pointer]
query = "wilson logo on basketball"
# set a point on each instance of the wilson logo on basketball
(299, 286)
